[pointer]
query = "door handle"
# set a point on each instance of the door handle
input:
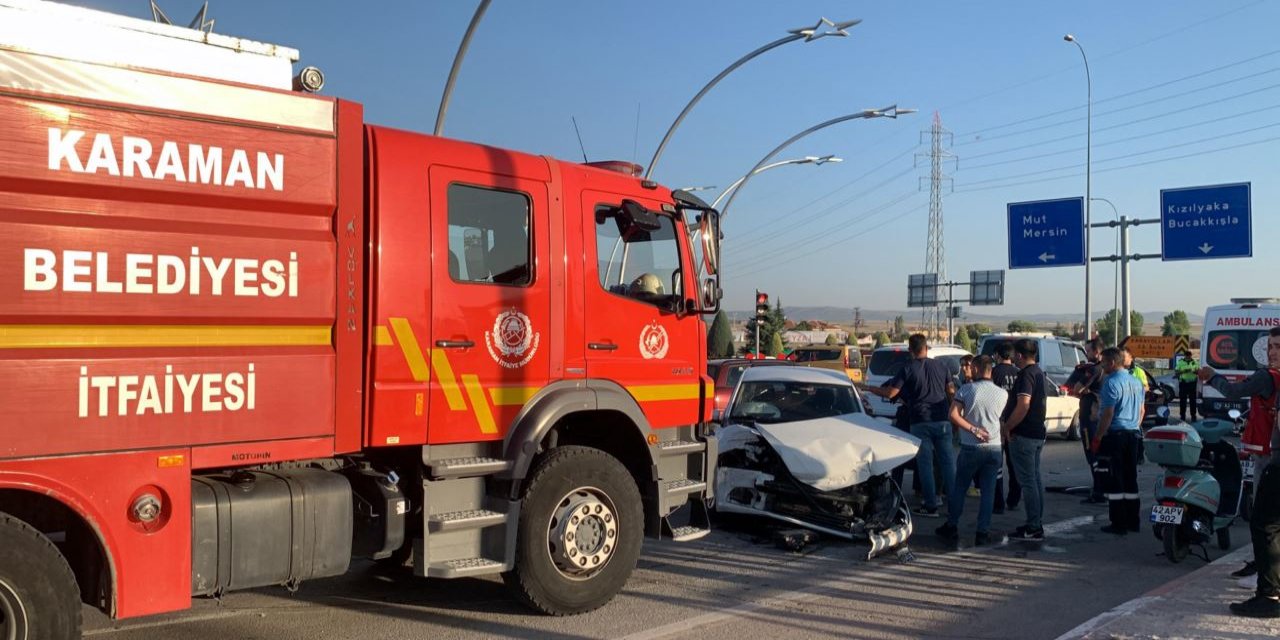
(602, 346)
(455, 344)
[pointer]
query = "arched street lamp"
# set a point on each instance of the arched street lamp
(1088, 177)
(807, 34)
(813, 160)
(887, 112)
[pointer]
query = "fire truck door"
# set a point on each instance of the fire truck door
(491, 301)
(635, 277)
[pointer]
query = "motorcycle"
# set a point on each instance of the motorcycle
(1199, 495)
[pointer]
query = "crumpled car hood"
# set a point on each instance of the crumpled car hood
(833, 453)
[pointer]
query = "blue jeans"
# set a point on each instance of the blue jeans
(1025, 453)
(935, 439)
(983, 462)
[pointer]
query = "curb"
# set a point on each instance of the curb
(1152, 597)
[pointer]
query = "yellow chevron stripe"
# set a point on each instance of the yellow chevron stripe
(381, 336)
(476, 393)
(452, 394)
(36, 336)
(657, 392)
(512, 396)
(412, 352)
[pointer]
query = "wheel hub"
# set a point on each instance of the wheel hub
(13, 615)
(582, 533)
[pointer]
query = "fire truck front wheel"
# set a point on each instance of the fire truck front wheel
(580, 532)
(38, 594)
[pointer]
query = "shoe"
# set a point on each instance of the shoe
(1257, 607)
(1027, 533)
(1249, 569)
(926, 512)
(981, 539)
(972, 492)
(1093, 500)
(947, 531)
(1115, 530)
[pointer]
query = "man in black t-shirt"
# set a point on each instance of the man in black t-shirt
(926, 386)
(1025, 430)
(1004, 374)
(1085, 383)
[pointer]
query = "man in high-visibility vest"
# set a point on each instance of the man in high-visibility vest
(1187, 369)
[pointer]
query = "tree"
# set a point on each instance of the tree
(1061, 330)
(775, 322)
(899, 328)
(977, 330)
(964, 341)
(720, 337)
(1106, 326)
(1022, 326)
(852, 340)
(1176, 324)
(775, 345)
(804, 325)
(882, 339)
(832, 340)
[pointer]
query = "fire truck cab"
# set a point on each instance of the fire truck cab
(247, 338)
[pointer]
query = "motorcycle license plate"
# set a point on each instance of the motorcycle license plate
(1161, 514)
(1246, 467)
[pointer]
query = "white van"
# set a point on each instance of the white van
(888, 360)
(1234, 342)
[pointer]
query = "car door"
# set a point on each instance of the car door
(635, 335)
(490, 340)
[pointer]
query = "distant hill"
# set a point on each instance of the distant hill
(844, 316)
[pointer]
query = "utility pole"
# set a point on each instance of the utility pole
(935, 252)
(1125, 311)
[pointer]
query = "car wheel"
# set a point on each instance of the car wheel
(39, 598)
(1073, 432)
(579, 534)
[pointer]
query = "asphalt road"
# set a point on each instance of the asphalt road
(735, 583)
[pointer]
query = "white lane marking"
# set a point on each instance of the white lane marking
(713, 617)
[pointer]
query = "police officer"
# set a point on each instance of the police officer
(1119, 429)
(1187, 369)
(1085, 382)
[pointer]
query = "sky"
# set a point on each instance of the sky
(1185, 93)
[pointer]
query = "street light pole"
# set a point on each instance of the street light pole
(807, 34)
(814, 160)
(1115, 292)
(888, 112)
(457, 65)
(1088, 177)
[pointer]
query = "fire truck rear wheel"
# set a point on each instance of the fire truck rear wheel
(39, 598)
(581, 526)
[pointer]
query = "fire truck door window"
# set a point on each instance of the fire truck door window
(637, 263)
(489, 236)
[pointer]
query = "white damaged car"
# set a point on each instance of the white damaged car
(797, 447)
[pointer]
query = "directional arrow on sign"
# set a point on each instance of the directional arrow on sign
(1205, 248)
(1046, 256)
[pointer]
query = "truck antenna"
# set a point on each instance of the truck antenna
(580, 145)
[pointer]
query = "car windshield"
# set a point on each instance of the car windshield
(775, 401)
(735, 374)
(815, 355)
(1238, 350)
(888, 362)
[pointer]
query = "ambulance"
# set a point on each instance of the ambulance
(1234, 342)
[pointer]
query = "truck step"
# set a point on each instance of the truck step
(685, 486)
(680, 447)
(467, 467)
(464, 567)
(687, 533)
(469, 519)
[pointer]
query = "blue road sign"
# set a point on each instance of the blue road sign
(1203, 223)
(1047, 233)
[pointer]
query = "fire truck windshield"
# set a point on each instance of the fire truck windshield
(638, 263)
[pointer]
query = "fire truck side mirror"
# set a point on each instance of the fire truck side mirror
(710, 295)
(709, 231)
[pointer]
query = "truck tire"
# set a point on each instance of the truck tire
(580, 531)
(39, 599)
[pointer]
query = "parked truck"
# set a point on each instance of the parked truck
(247, 338)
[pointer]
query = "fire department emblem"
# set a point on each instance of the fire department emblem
(512, 341)
(653, 342)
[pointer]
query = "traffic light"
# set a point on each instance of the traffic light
(762, 307)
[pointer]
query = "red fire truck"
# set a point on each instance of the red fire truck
(247, 338)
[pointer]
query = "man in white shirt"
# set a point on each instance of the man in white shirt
(975, 411)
